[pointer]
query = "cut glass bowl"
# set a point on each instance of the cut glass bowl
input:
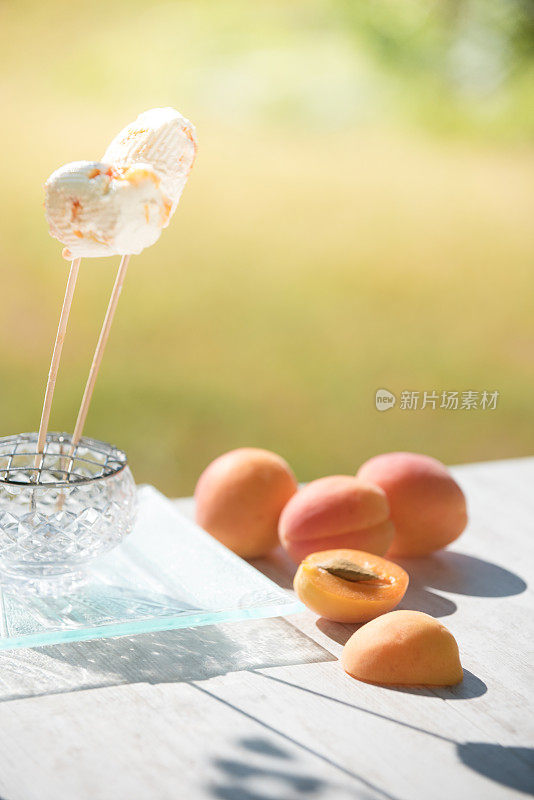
(61, 509)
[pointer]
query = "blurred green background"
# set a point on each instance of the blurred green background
(360, 216)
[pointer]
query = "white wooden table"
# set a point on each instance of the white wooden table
(263, 711)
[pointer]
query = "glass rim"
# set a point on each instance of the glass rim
(118, 458)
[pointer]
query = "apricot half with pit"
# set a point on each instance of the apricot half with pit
(427, 506)
(239, 498)
(339, 511)
(349, 585)
(403, 648)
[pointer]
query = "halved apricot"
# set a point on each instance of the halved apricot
(349, 585)
(404, 648)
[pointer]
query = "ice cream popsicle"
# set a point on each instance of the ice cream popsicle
(98, 209)
(117, 206)
(161, 137)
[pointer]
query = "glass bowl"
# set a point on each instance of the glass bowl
(61, 509)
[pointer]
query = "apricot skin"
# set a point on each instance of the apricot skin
(336, 512)
(428, 507)
(343, 601)
(403, 648)
(239, 498)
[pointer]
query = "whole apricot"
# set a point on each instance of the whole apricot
(349, 585)
(239, 497)
(338, 511)
(403, 648)
(427, 506)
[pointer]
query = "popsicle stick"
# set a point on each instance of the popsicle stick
(56, 357)
(99, 352)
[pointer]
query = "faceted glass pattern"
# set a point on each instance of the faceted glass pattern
(55, 520)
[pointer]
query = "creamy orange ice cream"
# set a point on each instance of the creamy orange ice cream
(161, 137)
(97, 209)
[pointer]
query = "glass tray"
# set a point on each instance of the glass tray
(167, 574)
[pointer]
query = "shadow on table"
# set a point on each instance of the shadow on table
(468, 689)
(448, 571)
(341, 632)
(419, 598)
(265, 764)
(510, 766)
(278, 567)
(189, 654)
(237, 777)
(234, 773)
(415, 599)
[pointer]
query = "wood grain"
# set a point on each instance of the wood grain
(262, 710)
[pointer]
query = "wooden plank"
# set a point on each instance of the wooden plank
(263, 711)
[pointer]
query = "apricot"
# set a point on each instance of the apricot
(349, 585)
(333, 512)
(403, 648)
(239, 497)
(427, 506)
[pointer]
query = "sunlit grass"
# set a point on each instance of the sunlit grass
(305, 268)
